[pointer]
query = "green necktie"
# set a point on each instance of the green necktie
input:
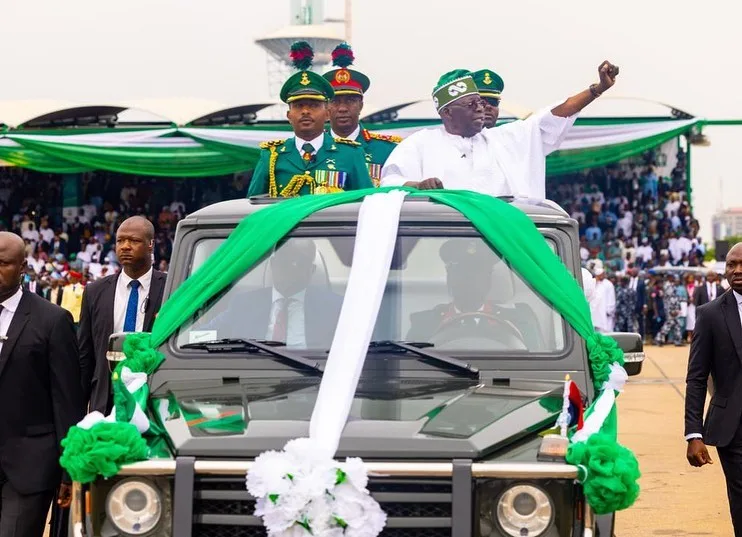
(308, 150)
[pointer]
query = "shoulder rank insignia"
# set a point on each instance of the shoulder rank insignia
(271, 143)
(368, 135)
(347, 142)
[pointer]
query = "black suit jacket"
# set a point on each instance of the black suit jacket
(47, 294)
(40, 393)
(716, 350)
(701, 294)
(641, 295)
(96, 325)
(248, 316)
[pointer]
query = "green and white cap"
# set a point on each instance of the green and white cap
(452, 86)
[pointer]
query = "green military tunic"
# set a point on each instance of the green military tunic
(377, 147)
(339, 165)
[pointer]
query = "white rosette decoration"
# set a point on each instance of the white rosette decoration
(303, 491)
(300, 492)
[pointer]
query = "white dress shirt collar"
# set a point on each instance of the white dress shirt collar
(352, 136)
(299, 297)
(144, 281)
(738, 298)
(11, 304)
(316, 143)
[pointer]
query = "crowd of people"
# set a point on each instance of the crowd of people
(68, 248)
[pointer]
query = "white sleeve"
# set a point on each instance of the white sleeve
(522, 146)
(404, 163)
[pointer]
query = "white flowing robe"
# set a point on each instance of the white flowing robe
(603, 306)
(509, 160)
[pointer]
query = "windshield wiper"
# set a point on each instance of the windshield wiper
(418, 348)
(252, 345)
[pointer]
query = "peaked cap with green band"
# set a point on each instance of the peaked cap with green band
(489, 83)
(343, 80)
(305, 84)
(452, 86)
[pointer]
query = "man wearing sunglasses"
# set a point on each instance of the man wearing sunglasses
(505, 161)
(490, 86)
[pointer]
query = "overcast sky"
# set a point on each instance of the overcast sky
(678, 52)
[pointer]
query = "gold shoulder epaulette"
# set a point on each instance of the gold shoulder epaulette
(392, 138)
(347, 141)
(271, 143)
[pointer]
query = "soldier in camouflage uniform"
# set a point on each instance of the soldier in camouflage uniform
(625, 306)
(671, 331)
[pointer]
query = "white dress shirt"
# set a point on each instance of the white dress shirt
(10, 306)
(509, 160)
(295, 329)
(738, 298)
(316, 143)
(121, 300)
(352, 136)
(711, 291)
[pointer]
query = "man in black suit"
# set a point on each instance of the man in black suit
(716, 350)
(54, 292)
(469, 266)
(707, 292)
(640, 311)
(34, 283)
(124, 302)
(41, 393)
(291, 311)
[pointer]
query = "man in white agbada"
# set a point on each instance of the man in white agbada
(603, 303)
(501, 161)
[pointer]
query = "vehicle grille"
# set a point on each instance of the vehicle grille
(414, 507)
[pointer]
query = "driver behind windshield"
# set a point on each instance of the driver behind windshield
(293, 310)
(470, 314)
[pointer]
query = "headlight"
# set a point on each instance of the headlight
(524, 511)
(134, 506)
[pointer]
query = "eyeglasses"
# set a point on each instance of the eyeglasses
(471, 104)
(493, 101)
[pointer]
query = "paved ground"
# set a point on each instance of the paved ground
(676, 499)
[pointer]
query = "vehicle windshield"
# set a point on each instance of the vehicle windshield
(454, 293)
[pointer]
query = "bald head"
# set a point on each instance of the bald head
(138, 223)
(13, 245)
(12, 263)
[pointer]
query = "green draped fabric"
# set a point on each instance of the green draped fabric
(154, 161)
(522, 246)
(562, 162)
(248, 155)
(39, 161)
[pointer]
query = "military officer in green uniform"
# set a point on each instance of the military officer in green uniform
(345, 111)
(490, 86)
(311, 162)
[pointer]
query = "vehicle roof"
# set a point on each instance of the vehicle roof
(414, 209)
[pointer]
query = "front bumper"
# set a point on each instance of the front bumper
(421, 499)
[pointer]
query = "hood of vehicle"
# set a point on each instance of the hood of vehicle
(399, 418)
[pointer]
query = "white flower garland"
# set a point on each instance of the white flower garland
(301, 493)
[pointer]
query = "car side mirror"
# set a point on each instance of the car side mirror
(632, 346)
(115, 351)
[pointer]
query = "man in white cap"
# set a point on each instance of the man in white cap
(603, 303)
(503, 161)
